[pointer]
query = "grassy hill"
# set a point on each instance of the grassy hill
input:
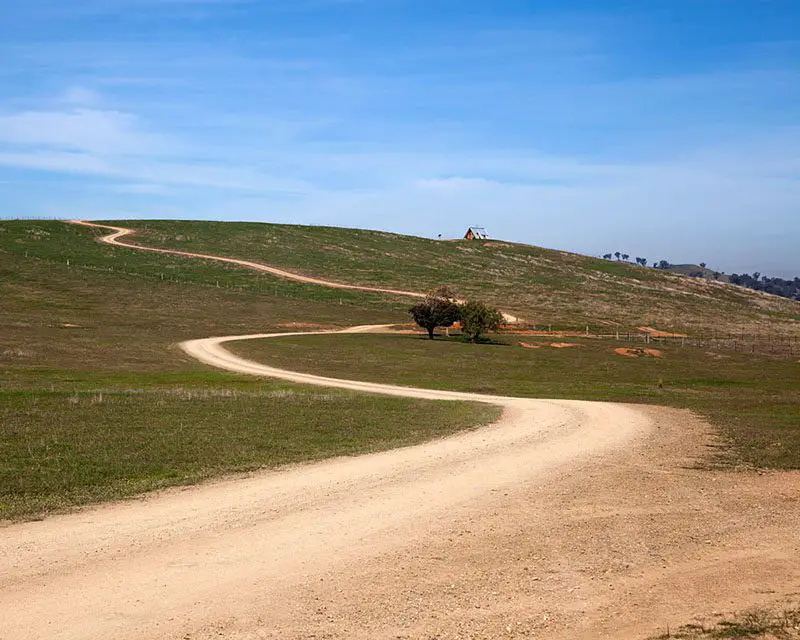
(96, 401)
(543, 286)
(696, 270)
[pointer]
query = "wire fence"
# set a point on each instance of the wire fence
(766, 343)
(743, 342)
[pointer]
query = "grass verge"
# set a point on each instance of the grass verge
(749, 625)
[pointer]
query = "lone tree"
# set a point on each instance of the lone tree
(477, 319)
(438, 309)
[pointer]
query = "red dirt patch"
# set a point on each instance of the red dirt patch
(528, 345)
(563, 345)
(661, 334)
(639, 353)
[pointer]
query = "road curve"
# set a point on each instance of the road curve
(204, 561)
(211, 352)
(120, 232)
(227, 559)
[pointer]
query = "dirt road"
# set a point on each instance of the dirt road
(203, 559)
(120, 232)
(563, 520)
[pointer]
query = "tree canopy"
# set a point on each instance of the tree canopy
(477, 319)
(438, 309)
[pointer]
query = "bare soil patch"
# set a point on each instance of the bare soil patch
(543, 332)
(564, 345)
(639, 352)
(661, 334)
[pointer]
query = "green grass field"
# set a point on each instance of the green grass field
(101, 438)
(753, 399)
(57, 243)
(97, 402)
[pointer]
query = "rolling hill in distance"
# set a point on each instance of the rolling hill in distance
(542, 286)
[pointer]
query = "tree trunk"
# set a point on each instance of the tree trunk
(430, 332)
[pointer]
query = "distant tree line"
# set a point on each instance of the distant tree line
(657, 264)
(775, 286)
(625, 257)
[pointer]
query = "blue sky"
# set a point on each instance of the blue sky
(664, 128)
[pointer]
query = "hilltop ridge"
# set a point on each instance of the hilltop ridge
(543, 286)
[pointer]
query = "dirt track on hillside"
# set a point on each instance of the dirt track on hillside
(563, 520)
(119, 232)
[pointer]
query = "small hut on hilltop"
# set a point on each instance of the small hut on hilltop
(476, 233)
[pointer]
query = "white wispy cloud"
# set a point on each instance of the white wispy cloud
(78, 129)
(93, 142)
(81, 96)
(155, 172)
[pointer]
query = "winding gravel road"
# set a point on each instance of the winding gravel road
(120, 232)
(113, 239)
(202, 561)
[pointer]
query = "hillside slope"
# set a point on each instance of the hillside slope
(97, 402)
(540, 285)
